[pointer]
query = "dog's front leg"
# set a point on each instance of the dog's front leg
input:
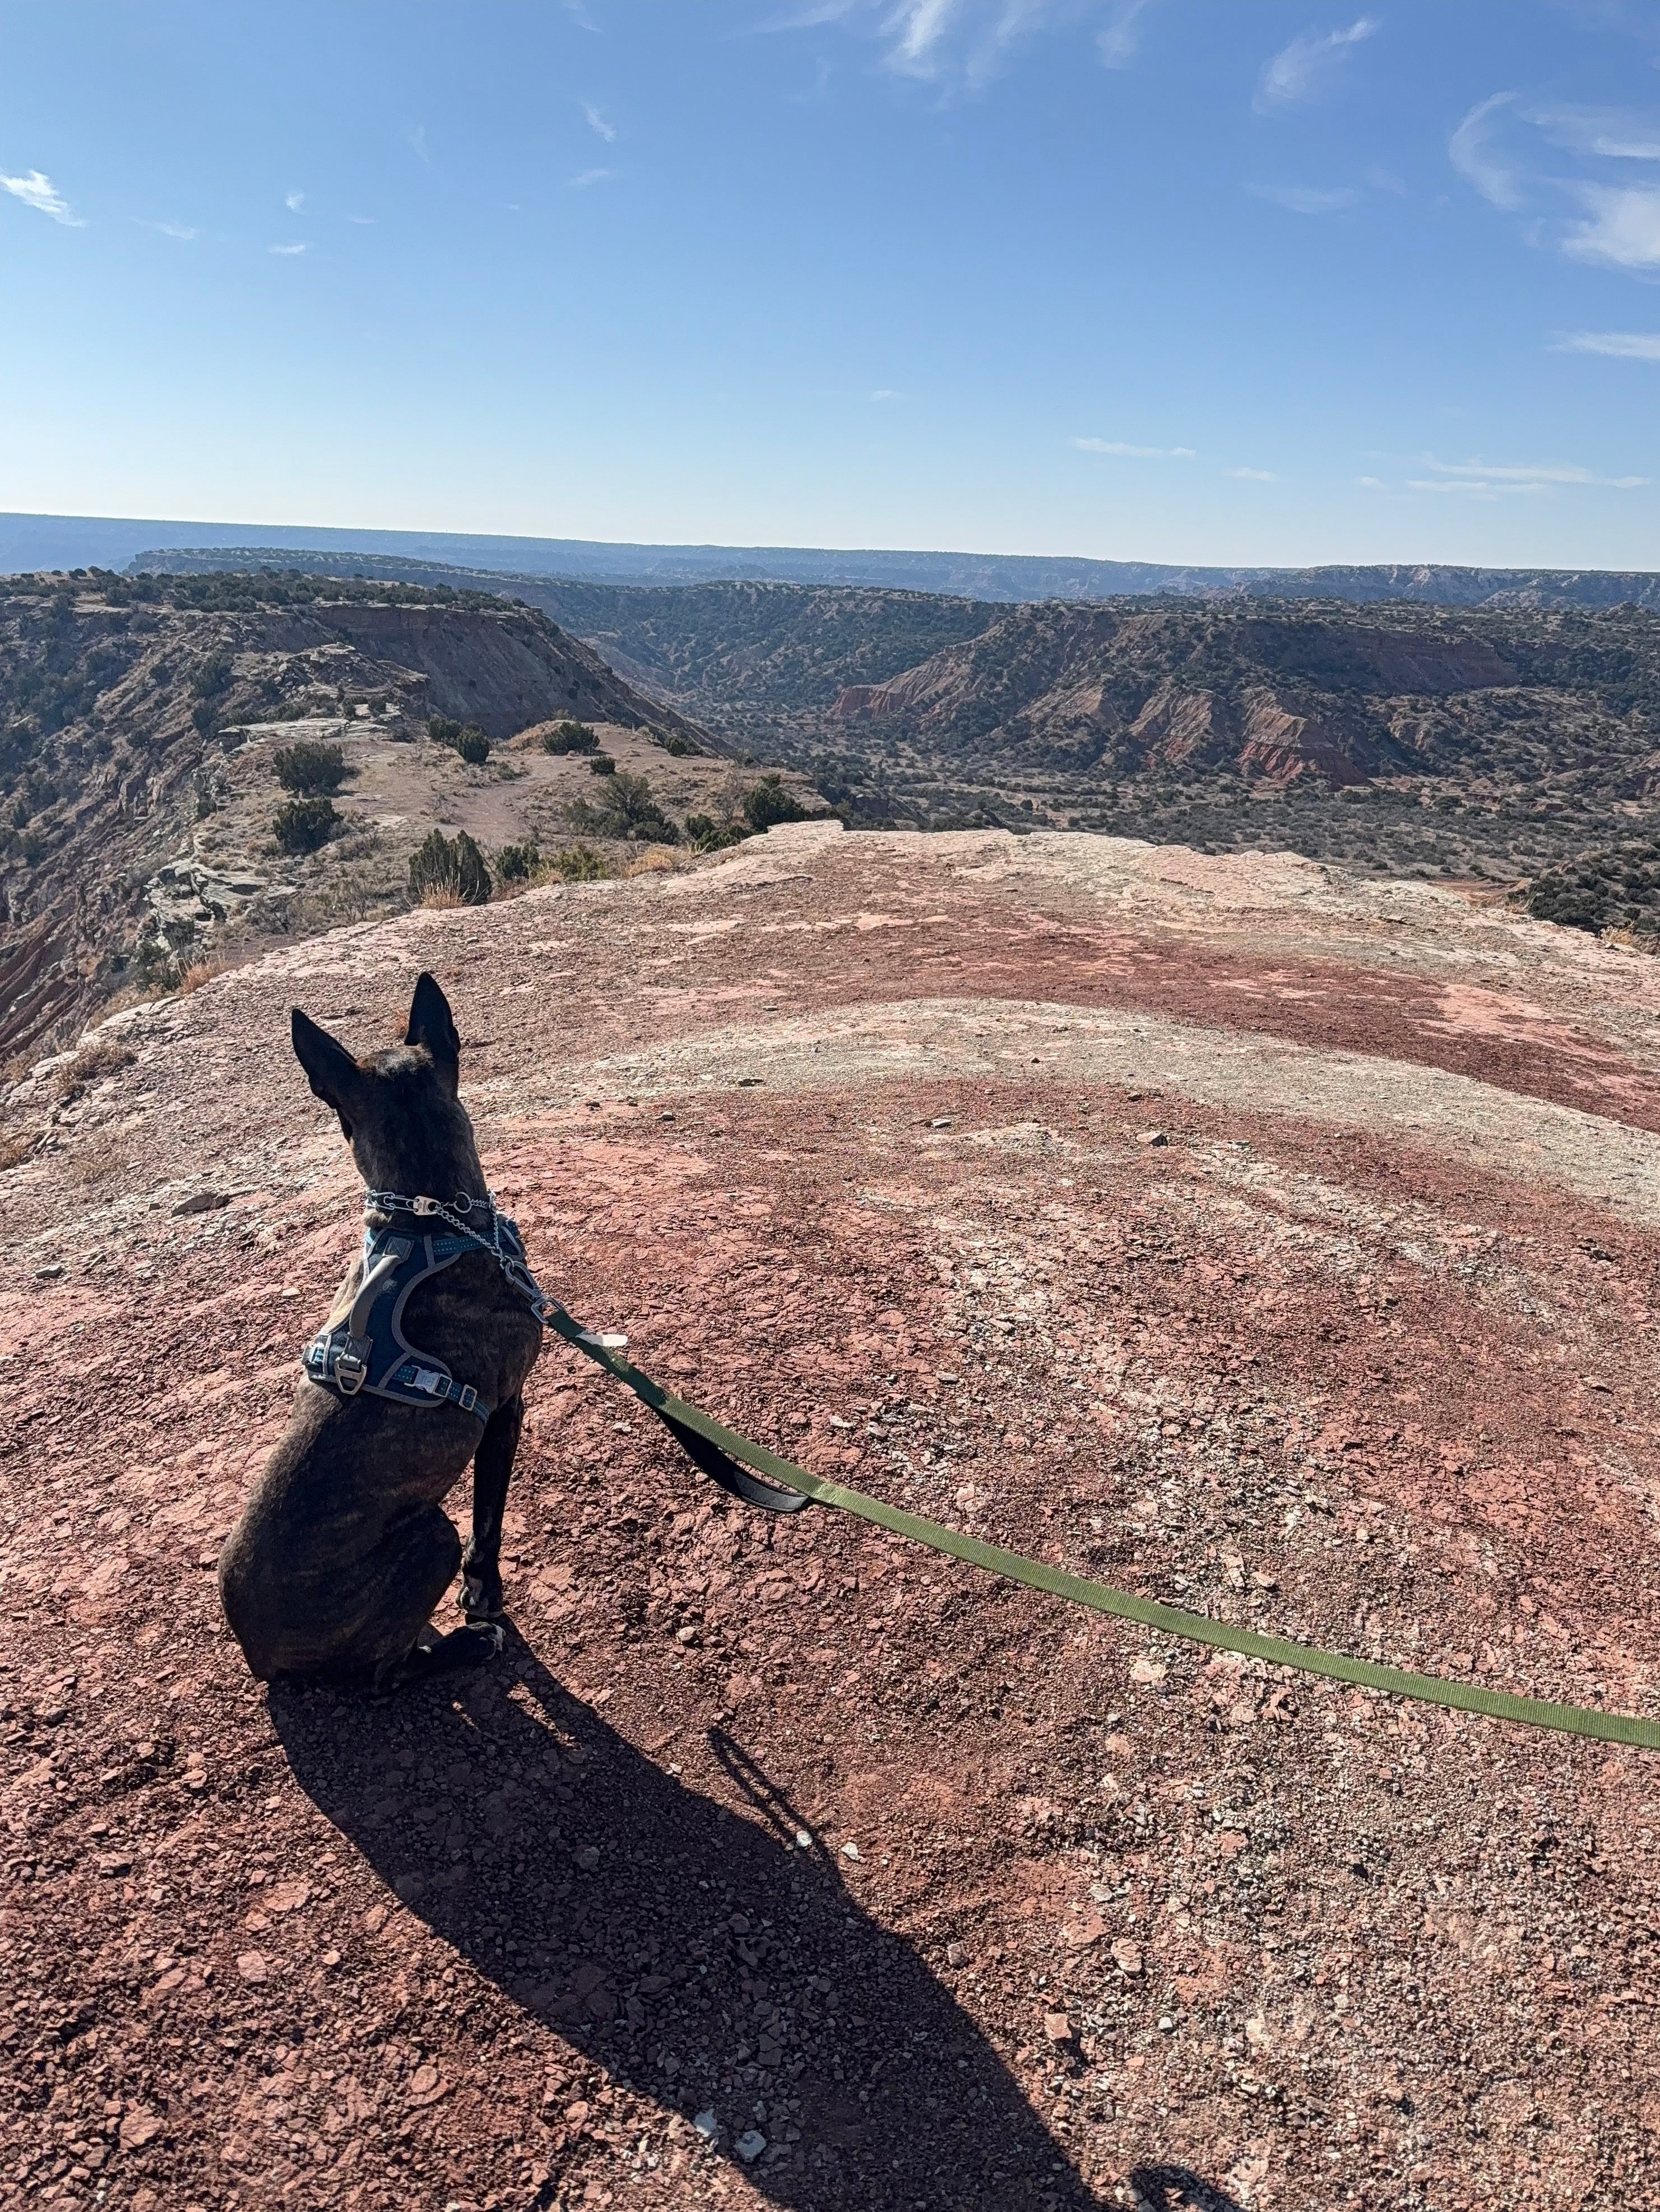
(492, 1471)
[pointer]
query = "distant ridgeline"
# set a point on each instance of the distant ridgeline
(1008, 577)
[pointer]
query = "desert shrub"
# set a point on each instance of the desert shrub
(212, 677)
(204, 717)
(602, 764)
(768, 802)
(579, 864)
(516, 864)
(307, 766)
(627, 809)
(570, 737)
(463, 737)
(709, 835)
(301, 825)
(450, 865)
(682, 748)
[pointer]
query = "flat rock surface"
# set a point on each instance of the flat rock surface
(1277, 1243)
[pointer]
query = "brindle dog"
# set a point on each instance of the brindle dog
(345, 1548)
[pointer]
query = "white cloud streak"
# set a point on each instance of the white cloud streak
(38, 191)
(1309, 199)
(419, 142)
(1253, 476)
(289, 251)
(584, 178)
(1302, 71)
(1534, 476)
(294, 202)
(1622, 229)
(1470, 151)
(180, 230)
(1134, 453)
(597, 122)
(1618, 345)
(1119, 41)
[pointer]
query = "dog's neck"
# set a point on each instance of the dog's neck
(438, 1163)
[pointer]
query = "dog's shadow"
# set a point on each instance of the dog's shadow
(704, 1959)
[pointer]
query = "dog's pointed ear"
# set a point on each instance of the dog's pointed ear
(432, 1025)
(331, 1072)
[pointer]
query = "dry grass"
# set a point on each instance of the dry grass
(16, 1145)
(200, 972)
(655, 860)
(102, 1057)
(441, 895)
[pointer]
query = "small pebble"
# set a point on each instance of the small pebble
(750, 2145)
(849, 1850)
(707, 2125)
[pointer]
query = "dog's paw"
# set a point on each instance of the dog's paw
(442, 1654)
(480, 1596)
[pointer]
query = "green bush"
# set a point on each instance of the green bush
(579, 864)
(463, 737)
(570, 737)
(682, 748)
(452, 864)
(628, 810)
(768, 802)
(302, 824)
(602, 764)
(709, 835)
(213, 677)
(516, 864)
(308, 766)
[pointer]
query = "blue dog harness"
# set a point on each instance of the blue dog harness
(368, 1350)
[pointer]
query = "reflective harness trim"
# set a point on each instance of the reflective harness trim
(369, 1352)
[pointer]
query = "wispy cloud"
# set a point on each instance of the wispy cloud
(1303, 70)
(1120, 40)
(584, 178)
(1309, 199)
(1622, 229)
(1492, 475)
(1134, 453)
(289, 250)
(180, 230)
(1253, 476)
(881, 393)
(418, 141)
(367, 221)
(1471, 151)
(294, 202)
(957, 42)
(596, 122)
(38, 191)
(1606, 133)
(1618, 345)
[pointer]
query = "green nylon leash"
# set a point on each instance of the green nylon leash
(1170, 1620)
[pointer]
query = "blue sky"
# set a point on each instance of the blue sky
(1192, 280)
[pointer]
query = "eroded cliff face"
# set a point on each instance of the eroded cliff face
(122, 721)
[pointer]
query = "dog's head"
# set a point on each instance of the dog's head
(399, 1110)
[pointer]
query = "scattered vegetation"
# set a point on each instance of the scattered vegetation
(308, 766)
(570, 737)
(627, 809)
(579, 864)
(449, 871)
(517, 864)
(602, 764)
(767, 804)
(98, 1057)
(1615, 889)
(463, 737)
(304, 825)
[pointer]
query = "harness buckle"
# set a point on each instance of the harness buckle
(424, 1206)
(468, 1399)
(350, 1373)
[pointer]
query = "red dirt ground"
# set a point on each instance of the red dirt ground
(947, 1895)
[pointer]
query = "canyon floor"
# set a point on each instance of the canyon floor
(1276, 1241)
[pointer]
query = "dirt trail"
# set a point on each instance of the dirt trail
(854, 1137)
